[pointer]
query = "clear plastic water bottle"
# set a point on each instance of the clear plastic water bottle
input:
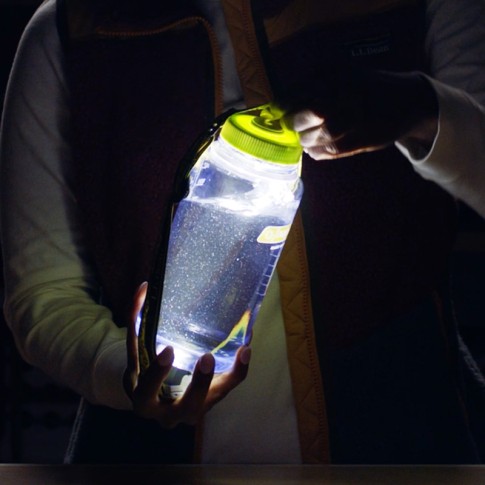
(226, 237)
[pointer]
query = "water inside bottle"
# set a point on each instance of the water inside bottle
(213, 284)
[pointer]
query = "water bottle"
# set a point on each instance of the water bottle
(225, 238)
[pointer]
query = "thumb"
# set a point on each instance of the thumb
(132, 331)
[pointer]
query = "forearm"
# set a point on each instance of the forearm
(455, 157)
(452, 154)
(50, 289)
(61, 330)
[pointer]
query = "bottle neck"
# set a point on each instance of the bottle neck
(233, 160)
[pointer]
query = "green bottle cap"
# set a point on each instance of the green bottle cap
(262, 133)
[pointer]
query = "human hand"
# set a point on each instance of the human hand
(350, 111)
(204, 391)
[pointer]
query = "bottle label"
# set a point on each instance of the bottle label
(274, 234)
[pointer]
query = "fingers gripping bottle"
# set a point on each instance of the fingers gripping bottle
(226, 235)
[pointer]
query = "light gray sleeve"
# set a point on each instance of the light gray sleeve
(50, 289)
(455, 45)
(457, 159)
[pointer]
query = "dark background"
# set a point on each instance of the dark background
(36, 414)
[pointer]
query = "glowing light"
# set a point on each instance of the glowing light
(238, 331)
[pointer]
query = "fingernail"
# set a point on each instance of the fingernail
(206, 363)
(245, 355)
(165, 358)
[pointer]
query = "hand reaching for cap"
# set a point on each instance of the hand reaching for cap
(351, 111)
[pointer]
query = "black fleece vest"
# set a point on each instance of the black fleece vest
(377, 234)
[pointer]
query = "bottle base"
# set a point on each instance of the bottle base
(186, 355)
(176, 383)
